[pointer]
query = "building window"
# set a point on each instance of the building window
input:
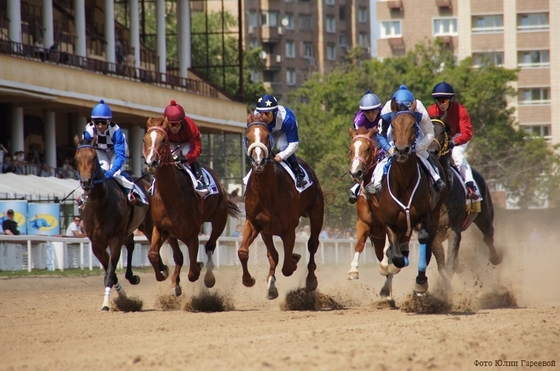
(253, 43)
(363, 39)
(342, 39)
(331, 52)
(342, 13)
(537, 130)
(535, 58)
(330, 2)
(269, 77)
(269, 19)
(488, 23)
(532, 22)
(253, 19)
(390, 29)
(445, 26)
(307, 50)
(495, 58)
(535, 96)
(255, 76)
(291, 77)
(331, 24)
(289, 21)
(290, 49)
(305, 22)
(362, 14)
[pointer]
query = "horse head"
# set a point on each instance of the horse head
(405, 130)
(258, 143)
(362, 151)
(156, 148)
(439, 147)
(87, 166)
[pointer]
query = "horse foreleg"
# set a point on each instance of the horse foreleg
(100, 252)
(424, 255)
(312, 246)
(452, 264)
(485, 224)
(194, 266)
(160, 269)
(133, 279)
(217, 229)
(290, 259)
(272, 255)
(111, 276)
(387, 290)
(362, 233)
(178, 259)
(249, 235)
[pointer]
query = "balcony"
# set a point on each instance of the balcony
(271, 34)
(396, 42)
(444, 4)
(395, 5)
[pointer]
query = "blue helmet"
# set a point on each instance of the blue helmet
(369, 101)
(403, 96)
(101, 111)
(267, 103)
(443, 90)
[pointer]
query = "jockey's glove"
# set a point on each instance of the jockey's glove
(450, 144)
(109, 174)
(179, 157)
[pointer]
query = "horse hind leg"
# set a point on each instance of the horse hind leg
(217, 229)
(131, 277)
(386, 292)
(272, 255)
(362, 235)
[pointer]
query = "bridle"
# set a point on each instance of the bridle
(164, 153)
(361, 158)
(267, 149)
(96, 172)
(443, 148)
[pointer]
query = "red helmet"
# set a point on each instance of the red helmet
(174, 112)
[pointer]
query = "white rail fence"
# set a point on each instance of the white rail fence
(58, 253)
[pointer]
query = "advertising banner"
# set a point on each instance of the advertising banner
(20, 213)
(43, 219)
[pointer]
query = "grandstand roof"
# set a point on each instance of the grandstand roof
(34, 188)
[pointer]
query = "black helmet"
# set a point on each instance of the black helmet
(443, 90)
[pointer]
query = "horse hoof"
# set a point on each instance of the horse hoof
(209, 280)
(420, 290)
(311, 285)
(135, 280)
(105, 309)
(296, 258)
(399, 262)
(272, 293)
(496, 259)
(385, 293)
(178, 290)
(459, 268)
(249, 283)
(353, 276)
(393, 269)
(383, 270)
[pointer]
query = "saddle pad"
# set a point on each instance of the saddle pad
(289, 171)
(212, 186)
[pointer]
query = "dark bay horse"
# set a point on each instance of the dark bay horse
(178, 211)
(274, 206)
(409, 202)
(458, 212)
(109, 219)
(369, 223)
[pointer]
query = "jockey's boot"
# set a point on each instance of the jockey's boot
(298, 172)
(135, 198)
(81, 200)
(201, 185)
(473, 192)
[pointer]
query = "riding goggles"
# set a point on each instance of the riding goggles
(443, 100)
(101, 122)
(176, 124)
(370, 111)
(266, 114)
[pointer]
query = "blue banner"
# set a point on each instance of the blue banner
(43, 219)
(20, 213)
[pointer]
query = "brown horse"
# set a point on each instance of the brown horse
(274, 206)
(458, 212)
(369, 222)
(409, 202)
(109, 219)
(178, 211)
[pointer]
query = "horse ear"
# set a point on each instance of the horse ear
(76, 140)
(394, 107)
(351, 131)
(254, 117)
(413, 107)
(372, 132)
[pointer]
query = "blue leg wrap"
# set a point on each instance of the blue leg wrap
(422, 263)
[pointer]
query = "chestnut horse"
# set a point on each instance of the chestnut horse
(274, 206)
(369, 223)
(409, 202)
(178, 211)
(458, 212)
(109, 219)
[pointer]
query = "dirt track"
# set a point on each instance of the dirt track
(55, 323)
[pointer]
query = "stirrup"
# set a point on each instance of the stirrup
(131, 198)
(472, 193)
(300, 183)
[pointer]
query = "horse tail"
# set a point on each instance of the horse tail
(233, 210)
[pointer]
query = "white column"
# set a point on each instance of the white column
(17, 130)
(50, 139)
(110, 31)
(79, 126)
(80, 20)
(135, 32)
(184, 37)
(14, 14)
(48, 36)
(161, 39)
(135, 149)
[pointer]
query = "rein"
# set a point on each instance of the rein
(166, 151)
(443, 148)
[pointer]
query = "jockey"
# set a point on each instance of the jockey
(282, 124)
(184, 138)
(368, 116)
(403, 99)
(111, 150)
(458, 122)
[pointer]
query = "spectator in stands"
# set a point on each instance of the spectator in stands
(34, 155)
(45, 171)
(40, 49)
(75, 229)
(238, 231)
(18, 165)
(325, 233)
(9, 225)
(305, 232)
(8, 166)
(67, 171)
(3, 153)
(337, 234)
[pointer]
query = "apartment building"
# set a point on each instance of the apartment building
(512, 33)
(300, 37)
